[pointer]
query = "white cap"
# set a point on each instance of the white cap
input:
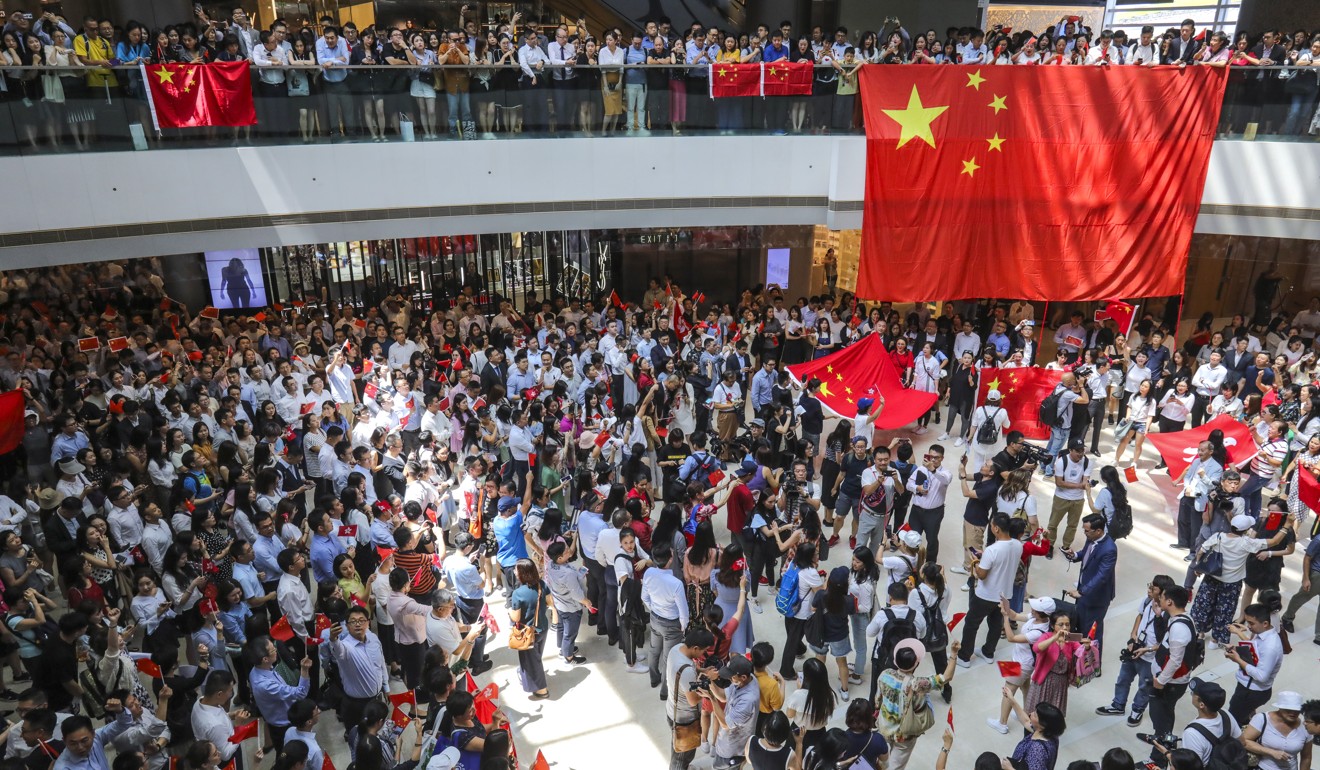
(445, 760)
(1043, 604)
(993, 396)
(910, 538)
(1288, 701)
(1243, 522)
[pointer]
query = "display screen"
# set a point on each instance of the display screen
(776, 267)
(236, 279)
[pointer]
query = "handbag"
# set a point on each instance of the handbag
(523, 636)
(1087, 667)
(918, 717)
(687, 737)
(1121, 429)
(1209, 562)
(815, 630)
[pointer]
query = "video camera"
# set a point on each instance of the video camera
(1035, 454)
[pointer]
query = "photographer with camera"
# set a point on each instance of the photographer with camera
(1137, 655)
(690, 682)
(1214, 733)
(1179, 653)
(1017, 453)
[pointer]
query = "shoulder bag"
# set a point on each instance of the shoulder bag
(687, 737)
(918, 717)
(1209, 561)
(523, 636)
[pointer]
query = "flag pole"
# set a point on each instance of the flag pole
(1182, 299)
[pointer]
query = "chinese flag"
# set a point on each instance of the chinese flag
(149, 668)
(1009, 668)
(956, 619)
(1121, 312)
(1308, 488)
(243, 732)
(282, 631)
(308, 408)
(784, 78)
(863, 370)
(1022, 391)
(734, 79)
(88, 344)
(11, 421)
(117, 344)
(540, 763)
(191, 95)
(1020, 156)
(209, 312)
(400, 698)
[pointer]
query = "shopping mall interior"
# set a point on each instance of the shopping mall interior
(130, 250)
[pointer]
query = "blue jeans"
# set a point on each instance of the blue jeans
(1058, 440)
(566, 631)
(1298, 113)
(460, 109)
(1251, 493)
(859, 622)
(1018, 598)
(1128, 671)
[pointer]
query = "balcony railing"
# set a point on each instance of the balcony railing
(459, 103)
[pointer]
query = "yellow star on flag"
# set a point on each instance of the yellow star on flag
(995, 143)
(848, 391)
(974, 80)
(165, 75)
(773, 71)
(915, 120)
(970, 168)
(1010, 390)
(994, 384)
(849, 400)
(998, 104)
(829, 368)
(839, 377)
(825, 390)
(723, 72)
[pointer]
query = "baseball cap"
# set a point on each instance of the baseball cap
(757, 421)
(993, 395)
(1077, 445)
(1043, 604)
(747, 468)
(1243, 522)
(864, 403)
(1211, 694)
(737, 666)
(445, 760)
(910, 538)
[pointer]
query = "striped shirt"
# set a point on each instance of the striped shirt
(1269, 458)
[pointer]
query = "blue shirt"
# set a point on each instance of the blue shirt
(509, 537)
(267, 551)
(273, 696)
(324, 551)
(235, 623)
(590, 524)
(1001, 343)
(463, 575)
(95, 759)
(763, 384)
(382, 534)
(635, 76)
(770, 53)
(362, 669)
(246, 577)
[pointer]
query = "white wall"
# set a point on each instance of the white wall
(687, 181)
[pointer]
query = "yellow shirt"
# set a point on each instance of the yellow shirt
(96, 48)
(772, 697)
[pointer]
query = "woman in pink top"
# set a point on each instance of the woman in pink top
(1058, 659)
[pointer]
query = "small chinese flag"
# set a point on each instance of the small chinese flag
(88, 344)
(540, 763)
(259, 317)
(480, 402)
(360, 323)
(368, 365)
(243, 732)
(209, 312)
(326, 764)
(1091, 634)
(282, 630)
(195, 355)
(400, 719)
(383, 552)
(308, 408)
(715, 478)
(1130, 473)
(149, 667)
(602, 438)
(322, 623)
(531, 461)
(117, 344)
(615, 301)
(950, 719)
(956, 619)
(1009, 668)
(400, 698)
(370, 390)
(444, 404)
(403, 421)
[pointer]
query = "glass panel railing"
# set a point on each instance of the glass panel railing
(407, 104)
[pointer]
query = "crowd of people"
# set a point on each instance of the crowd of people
(509, 77)
(218, 518)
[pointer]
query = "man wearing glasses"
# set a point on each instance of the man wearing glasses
(361, 662)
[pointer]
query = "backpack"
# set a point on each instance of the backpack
(1193, 656)
(896, 630)
(988, 433)
(787, 600)
(1120, 526)
(700, 473)
(1226, 752)
(1049, 413)
(937, 633)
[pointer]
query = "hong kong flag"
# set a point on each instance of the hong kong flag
(191, 95)
(734, 79)
(1021, 391)
(1178, 448)
(1052, 183)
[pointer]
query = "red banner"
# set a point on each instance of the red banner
(191, 95)
(732, 79)
(1308, 488)
(863, 370)
(1179, 448)
(1092, 207)
(1021, 391)
(12, 425)
(785, 78)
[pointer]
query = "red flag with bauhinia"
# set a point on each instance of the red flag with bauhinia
(864, 370)
(191, 95)
(1179, 447)
(1011, 161)
(785, 78)
(11, 421)
(1121, 313)
(734, 79)
(1021, 391)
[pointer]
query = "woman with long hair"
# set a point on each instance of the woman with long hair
(836, 606)
(1111, 497)
(529, 606)
(1139, 408)
(805, 561)
(669, 529)
(702, 557)
(375, 747)
(836, 446)
(863, 575)
(729, 582)
(931, 598)
(811, 705)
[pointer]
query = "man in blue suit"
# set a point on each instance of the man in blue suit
(1095, 586)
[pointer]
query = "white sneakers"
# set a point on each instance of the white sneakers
(960, 441)
(943, 437)
(997, 726)
(957, 570)
(638, 668)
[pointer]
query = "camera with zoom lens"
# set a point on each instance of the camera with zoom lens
(1126, 655)
(1035, 454)
(1084, 371)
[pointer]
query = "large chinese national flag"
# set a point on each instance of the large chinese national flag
(1021, 391)
(1050, 183)
(735, 79)
(862, 370)
(785, 78)
(12, 426)
(191, 95)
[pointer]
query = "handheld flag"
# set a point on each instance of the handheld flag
(243, 732)
(149, 667)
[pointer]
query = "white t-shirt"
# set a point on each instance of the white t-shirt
(1271, 738)
(1001, 560)
(796, 702)
(863, 428)
(869, 477)
(807, 580)
(1025, 653)
(1072, 472)
(1236, 551)
(1193, 740)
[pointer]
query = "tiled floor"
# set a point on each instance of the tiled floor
(599, 717)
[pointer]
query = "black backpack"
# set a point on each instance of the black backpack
(700, 473)
(988, 433)
(1049, 413)
(1226, 752)
(896, 630)
(937, 633)
(1193, 656)
(1121, 525)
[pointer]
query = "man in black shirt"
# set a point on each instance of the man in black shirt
(57, 676)
(813, 417)
(1013, 456)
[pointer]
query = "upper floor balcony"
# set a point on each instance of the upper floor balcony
(373, 157)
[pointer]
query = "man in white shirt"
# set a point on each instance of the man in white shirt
(663, 596)
(1144, 53)
(271, 61)
(1259, 656)
(967, 341)
(1205, 384)
(1171, 671)
(212, 719)
(1071, 336)
(994, 570)
(1105, 52)
(533, 61)
(402, 349)
(1071, 477)
(1211, 721)
(878, 477)
(1308, 322)
(929, 484)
